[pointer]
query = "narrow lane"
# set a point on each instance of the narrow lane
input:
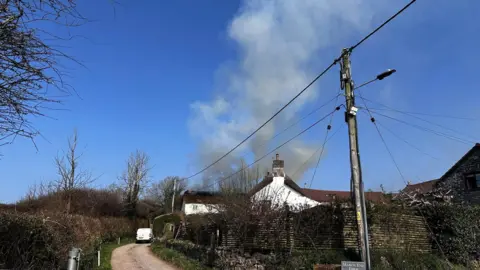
(137, 257)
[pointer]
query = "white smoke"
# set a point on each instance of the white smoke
(277, 41)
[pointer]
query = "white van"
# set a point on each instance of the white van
(144, 235)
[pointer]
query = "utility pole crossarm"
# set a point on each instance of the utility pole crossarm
(356, 172)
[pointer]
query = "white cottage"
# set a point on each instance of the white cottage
(200, 202)
(278, 189)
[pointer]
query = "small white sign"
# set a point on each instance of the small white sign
(353, 266)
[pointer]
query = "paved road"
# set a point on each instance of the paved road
(137, 257)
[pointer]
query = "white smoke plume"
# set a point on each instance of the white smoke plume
(278, 41)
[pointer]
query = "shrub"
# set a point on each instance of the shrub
(38, 244)
(454, 228)
(160, 222)
(177, 258)
(401, 259)
(43, 242)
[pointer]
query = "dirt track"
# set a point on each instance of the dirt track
(137, 257)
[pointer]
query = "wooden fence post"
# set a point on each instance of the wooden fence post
(211, 252)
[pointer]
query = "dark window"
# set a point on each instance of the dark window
(472, 181)
(266, 205)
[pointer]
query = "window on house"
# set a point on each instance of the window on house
(266, 205)
(472, 181)
(195, 207)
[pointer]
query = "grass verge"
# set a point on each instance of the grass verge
(106, 252)
(176, 258)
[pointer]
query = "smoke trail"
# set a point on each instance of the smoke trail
(277, 40)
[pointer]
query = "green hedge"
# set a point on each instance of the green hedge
(160, 222)
(33, 243)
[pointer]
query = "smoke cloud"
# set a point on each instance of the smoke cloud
(278, 41)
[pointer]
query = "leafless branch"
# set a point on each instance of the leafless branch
(71, 177)
(29, 65)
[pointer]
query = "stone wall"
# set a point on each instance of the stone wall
(327, 228)
(386, 231)
(455, 180)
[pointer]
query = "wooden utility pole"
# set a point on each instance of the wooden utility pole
(173, 196)
(356, 172)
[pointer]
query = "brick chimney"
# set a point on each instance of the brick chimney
(277, 167)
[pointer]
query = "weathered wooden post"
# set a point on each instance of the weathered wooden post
(211, 252)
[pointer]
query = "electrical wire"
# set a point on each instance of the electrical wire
(438, 133)
(301, 119)
(270, 152)
(400, 172)
(268, 120)
(382, 25)
(323, 148)
(316, 151)
(406, 142)
(441, 126)
(426, 121)
(424, 114)
(381, 136)
(388, 108)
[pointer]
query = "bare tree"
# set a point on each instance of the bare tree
(29, 61)
(133, 180)
(71, 177)
(162, 191)
(242, 180)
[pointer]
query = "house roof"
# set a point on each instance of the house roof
(207, 197)
(421, 187)
(427, 186)
(332, 195)
(461, 160)
(204, 197)
(269, 179)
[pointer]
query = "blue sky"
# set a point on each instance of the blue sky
(155, 69)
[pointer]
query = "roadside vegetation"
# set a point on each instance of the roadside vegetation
(69, 212)
(176, 258)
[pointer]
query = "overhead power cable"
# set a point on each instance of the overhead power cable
(323, 149)
(405, 141)
(420, 113)
(438, 133)
(422, 119)
(301, 119)
(304, 89)
(270, 152)
(372, 119)
(268, 120)
(400, 172)
(316, 151)
(382, 25)
(321, 146)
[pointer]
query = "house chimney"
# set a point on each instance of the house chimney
(277, 166)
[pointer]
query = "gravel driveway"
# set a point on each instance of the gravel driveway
(137, 256)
